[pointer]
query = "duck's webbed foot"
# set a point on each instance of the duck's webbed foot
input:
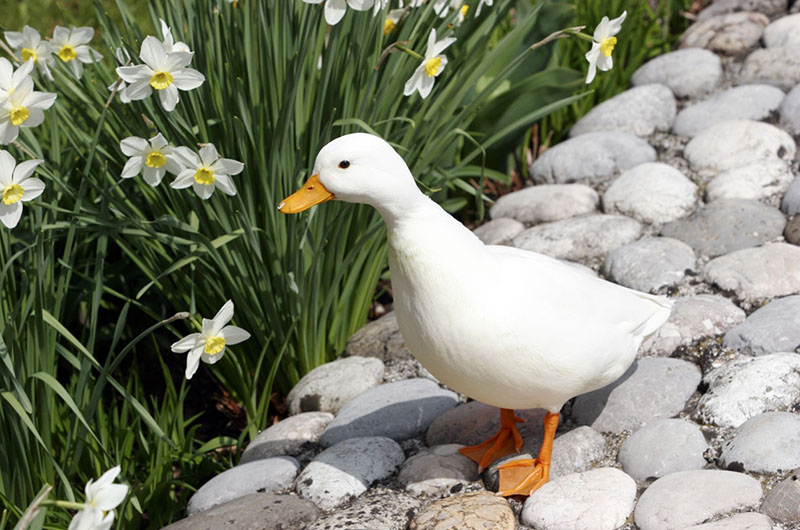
(506, 441)
(523, 477)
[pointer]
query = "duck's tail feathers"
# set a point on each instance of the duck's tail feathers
(661, 308)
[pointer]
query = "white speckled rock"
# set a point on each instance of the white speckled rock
(437, 471)
(784, 31)
(287, 437)
(779, 66)
(400, 410)
(734, 143)
(731, 33)
(590, 156)
(700, 495)
(740, 521)
(753, 273)
(790, 205)
(546, 202)
(748, 102)
(477, 510)
(766, 443)
(692, 318)
(245, 479)
(652, 388)
(642, 111)
(329, 386)
(766, 7)
(580, 238)
(652, 192)
(743, 388)
(773, 327)
(600, 499)
(754, 181)
(782, 503)
(376, 510)
(790, 111)
(648, 264)
(499, 231)
(663, 447)
(688, 73)
(347, 469)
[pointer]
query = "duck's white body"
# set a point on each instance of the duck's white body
(507, 327)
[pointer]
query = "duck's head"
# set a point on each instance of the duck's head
(356, 167)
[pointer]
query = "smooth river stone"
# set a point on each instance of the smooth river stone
(792, 232)
(790, 112)
(779, 66)
(652, 193)
(782, 503)
(739, 521)
(721, 7)
(469, 511)
(732, 33)
(759, 180)
(784, 31)
(648, 264)
(499, 231)
(381, 339)
(287, 437)
(545, 203)
(772, 328)
(754, 273)
(437, 470)
(641, 110)
(766, 443)
(790, 205)
(747, 102)
(329, 386)
(688, 73)
(663, 447)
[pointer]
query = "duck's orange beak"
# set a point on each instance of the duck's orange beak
(311, 194)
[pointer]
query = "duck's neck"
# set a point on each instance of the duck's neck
(404, 206)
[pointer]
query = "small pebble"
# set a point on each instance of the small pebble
(784, 31)
(774, 327)
(329, 386)
(766, 443)
(662, 447)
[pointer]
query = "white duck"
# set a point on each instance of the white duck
(508, 327)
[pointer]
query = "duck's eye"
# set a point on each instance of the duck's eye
(344, 164)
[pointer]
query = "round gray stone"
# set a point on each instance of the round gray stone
(746, 387)
(740, 521)
(782, 503)
(287, 437)
(731, 33)
(650, 389)
(599, 499)
(261, 475)
(590, 156)
(726, 225)
(652, 192)
(759, 180)
(641, 110)
(792, 232)
(791, 200)
(779, 66)
(437, 471)
(663, 447)
(766, 7)
(790, 111)
(499, 231)
(688, 73)
(748, 102)
(688, 498)
(258, 511)
(766, 443)
(754, 273)
(329, 386)
(545, 203)
(381, 339)
(693, 318)
(347, 469)
(580, 238)
(375, 510)
(772, 328)
(784, 31)
(735, 143)
(648, 264)
(474, 422)
(400, 410)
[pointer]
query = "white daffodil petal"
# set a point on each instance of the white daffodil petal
(40, 100)
(14, 38)
(138, 90)
(431, 43)
(187, 157)
(184, 179)
(213, 359)
(223, 316)
(7, 164)
(82, 35)
(602, 31)
(208, 154)
(193, 361)
(25, 169)
(86, 519)
(35, 117)
(61, 35)
(173, 165)
(158, 141)
(234, 335)
(106, 522)
(225, 184)
(208, 328)
(32, 188)
(110, 497)
(334, 11)
(413, 81)
(175, 61)
(227, 166)
(6, 73)
(133, 146)
(441, 46)
(425, 86)
(202, 191)
(10, 213)
(152, 53)
(22, 72)
(8, 132)
(360, 5)
(592, 56)
(132, 74)
(169, 97)
(188, 79)
(132, 167)
(604, 63)
(186, 343)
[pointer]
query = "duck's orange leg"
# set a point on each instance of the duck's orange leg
(506, 441)
(523, 477)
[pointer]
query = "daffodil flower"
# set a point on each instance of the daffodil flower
(335, 9)
(432, 65)
(16, 187)
(101, 499)
(28, 44)
(153, 159)
(123, 58)
(603, 43)
(206, 171)
(169, 42)
(22, 107)
(209, 345)
(481, 4)
(165, 72)
(392, 19)
(72, 47)
(10, 79)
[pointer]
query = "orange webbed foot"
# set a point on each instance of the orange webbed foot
(522, 477)
(506, 441)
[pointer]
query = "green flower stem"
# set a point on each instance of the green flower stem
(579, 34)
(409, 51)
(65, 504)
(561, 34)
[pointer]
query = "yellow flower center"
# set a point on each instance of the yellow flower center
(388, 26)
(161, 80)
(12, 194)
(464, 10)
(19, 115)
(204, 176)
(214, 345)
(607, 46)
(67, 53)
(432, 66)
(27, 53)
(155, 159)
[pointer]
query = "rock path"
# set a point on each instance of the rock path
(686, 185)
